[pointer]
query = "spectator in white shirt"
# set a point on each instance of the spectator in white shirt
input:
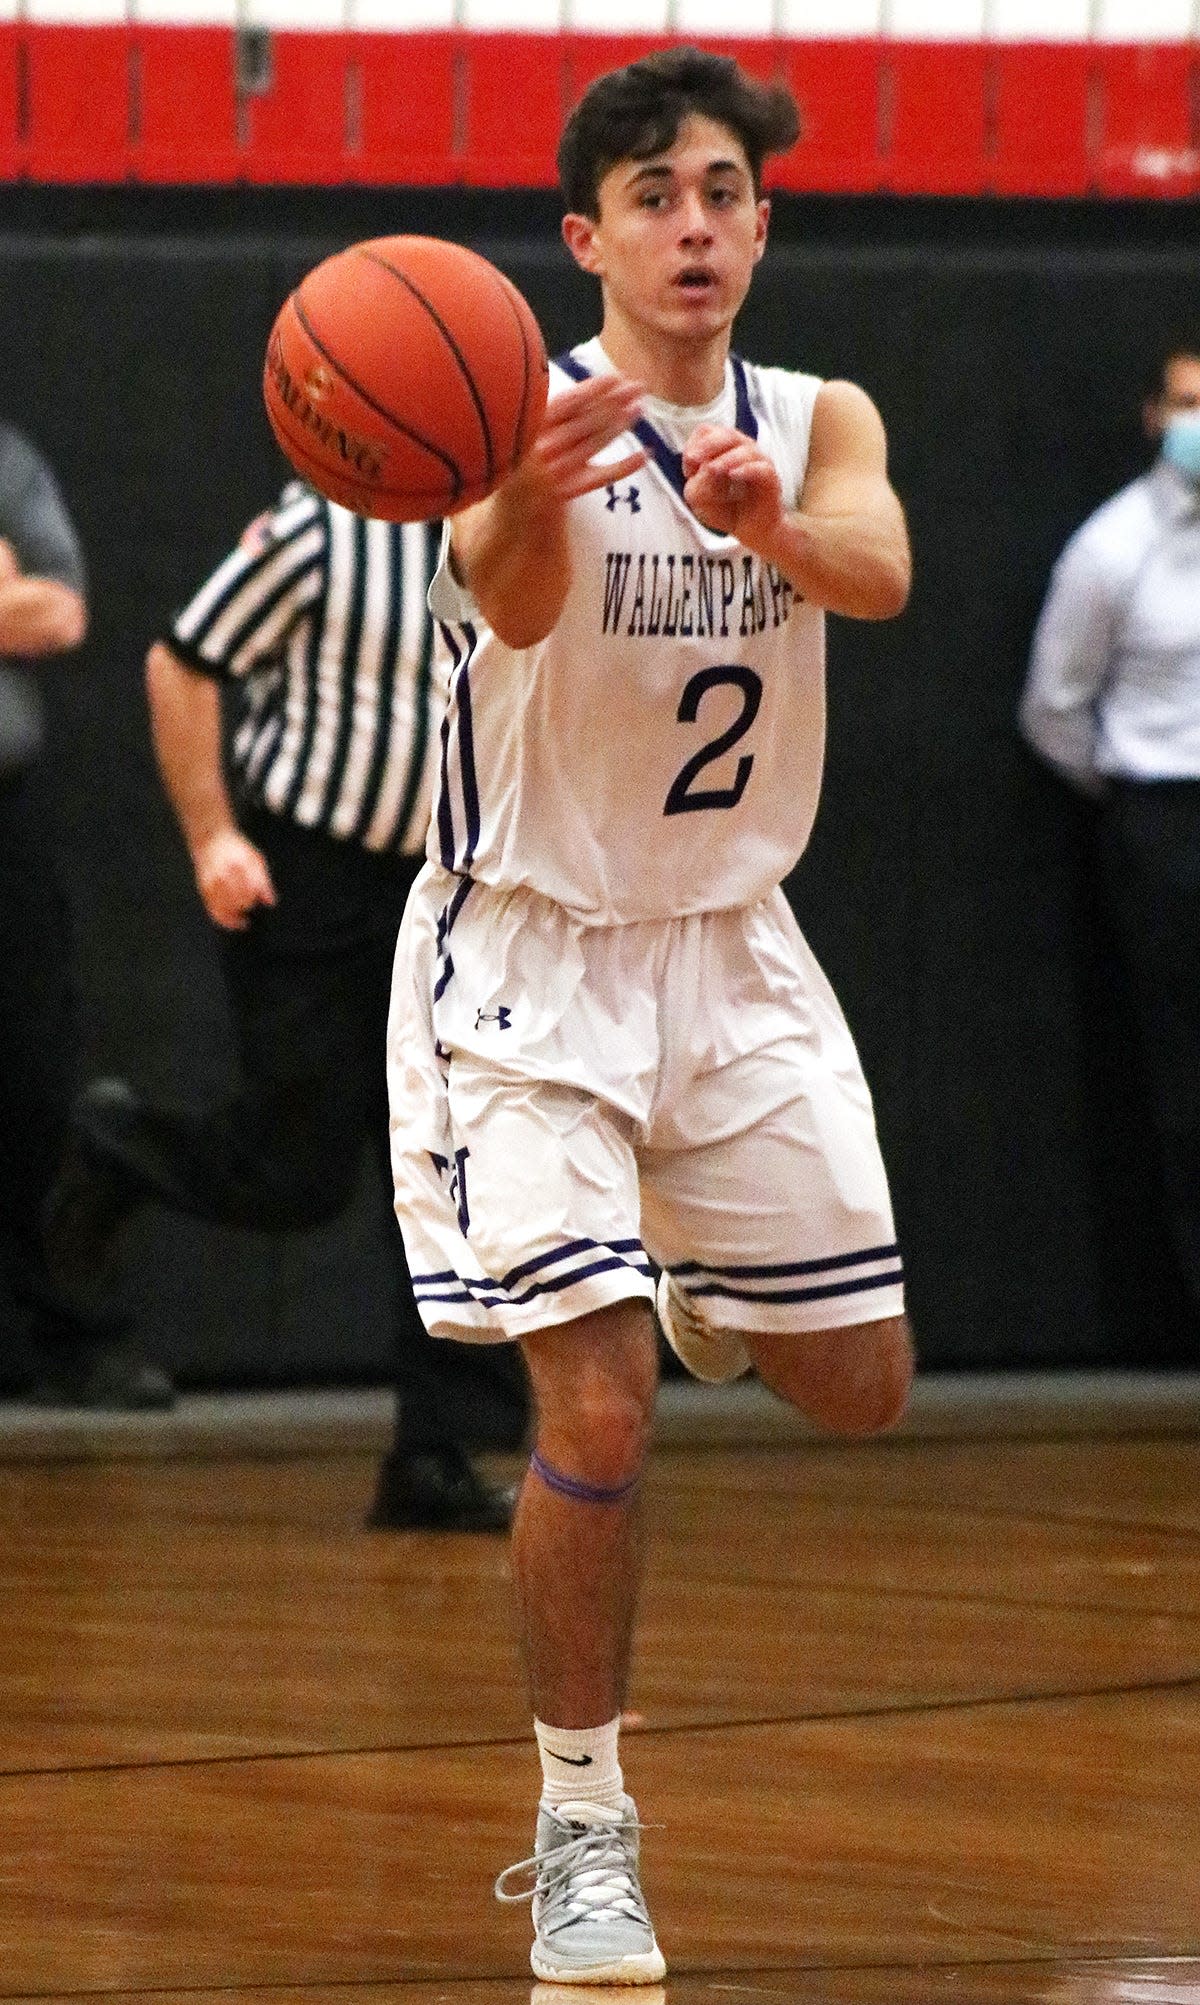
(1112, 702)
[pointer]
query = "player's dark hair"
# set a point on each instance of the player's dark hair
(634, 113)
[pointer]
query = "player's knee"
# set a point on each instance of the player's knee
(595, 1397)
(608, 1428)
(854, 1381)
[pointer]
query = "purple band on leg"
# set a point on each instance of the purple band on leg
(581, 1493)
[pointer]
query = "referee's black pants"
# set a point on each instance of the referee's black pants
(309, 982)
(1151, 852)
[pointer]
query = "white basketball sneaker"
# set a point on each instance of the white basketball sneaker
(710, 1354)
(590, 1921)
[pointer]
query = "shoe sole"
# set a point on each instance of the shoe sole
(648, 1968)
(714, 1359)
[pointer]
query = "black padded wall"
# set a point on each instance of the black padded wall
(949, 886)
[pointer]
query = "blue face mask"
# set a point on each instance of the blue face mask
(1181, 443)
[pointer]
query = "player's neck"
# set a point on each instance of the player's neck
(688, 373)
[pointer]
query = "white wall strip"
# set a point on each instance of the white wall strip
(1109, 21)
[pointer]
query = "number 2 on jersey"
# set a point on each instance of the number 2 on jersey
(684, 798)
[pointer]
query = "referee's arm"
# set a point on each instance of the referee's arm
(185, 722)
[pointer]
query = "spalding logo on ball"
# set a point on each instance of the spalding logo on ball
(405, 377)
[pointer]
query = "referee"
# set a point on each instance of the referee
(304, 804)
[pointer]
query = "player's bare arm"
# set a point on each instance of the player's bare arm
(511, 550)
(846, 545)
(185, 718)
(37, 615)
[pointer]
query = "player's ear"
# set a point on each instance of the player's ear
(579, 236)
(762, 218)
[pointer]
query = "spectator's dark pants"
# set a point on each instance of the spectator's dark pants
(37, 1055)
(309, 982)
(1152, 869)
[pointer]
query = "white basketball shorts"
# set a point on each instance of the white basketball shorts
(570, 1103)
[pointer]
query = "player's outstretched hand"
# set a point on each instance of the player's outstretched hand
(512, 550)
(731, 485)
(232, 878)
(578, 425)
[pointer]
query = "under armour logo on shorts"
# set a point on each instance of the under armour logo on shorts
(501, 1016)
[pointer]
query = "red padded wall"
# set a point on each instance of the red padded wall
(162, 104)
(184, 126)
(78, 102)
(514, 108)
(1148, 144)
(405, 88)
(12, 61)
(295, 129)
(836, 85)
(1041, 97)
(932, 122)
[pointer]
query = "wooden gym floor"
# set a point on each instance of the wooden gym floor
(914, 1722)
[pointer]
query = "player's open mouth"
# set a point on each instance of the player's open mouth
(696, 282)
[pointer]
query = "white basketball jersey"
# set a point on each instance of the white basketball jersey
(660, 752)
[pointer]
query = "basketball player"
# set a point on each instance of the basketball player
(609, 1043)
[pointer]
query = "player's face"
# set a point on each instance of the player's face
(677, 236)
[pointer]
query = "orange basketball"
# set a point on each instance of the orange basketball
(405, 377)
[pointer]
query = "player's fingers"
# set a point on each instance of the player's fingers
(591, 476)
(589, 425)
(707, 441)
(599, 393)
(563, 458)
(579, 472)
(738, 461)
(707, 484)
(711, 500)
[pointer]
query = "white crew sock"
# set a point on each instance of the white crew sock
(580, 1765)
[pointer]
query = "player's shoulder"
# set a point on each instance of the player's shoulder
(783, 394)
(797, 385)
(782, 402)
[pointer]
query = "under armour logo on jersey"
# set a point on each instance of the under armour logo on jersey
(631, 496)
(501, 1016)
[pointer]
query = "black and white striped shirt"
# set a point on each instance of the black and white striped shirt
(320, 618)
